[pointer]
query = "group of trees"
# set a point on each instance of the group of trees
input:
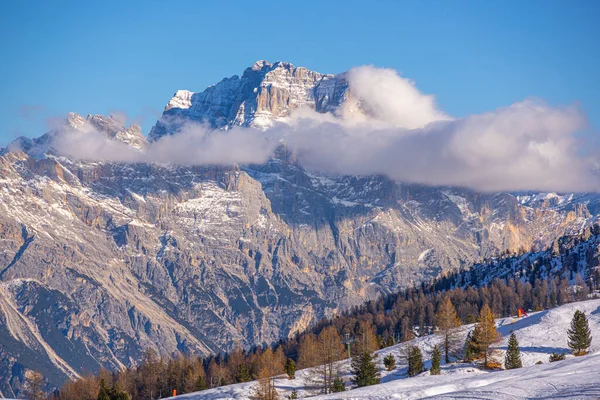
(440, 306)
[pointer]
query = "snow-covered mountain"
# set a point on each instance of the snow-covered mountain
(100, 260)
(539, 334)
(263, 94)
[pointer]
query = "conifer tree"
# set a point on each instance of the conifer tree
(415, 361)
(364, 370)
(436, 359)
(557, 357)
(389, 362)
(469, 348)
(293, 395)
(580, 338)
(447, 323)
(290, 368)
(104, 393)
(512, 359)
(201, 384)
(243, 373)
(485, 335)
(338, 385)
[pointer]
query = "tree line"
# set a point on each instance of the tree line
(356, 333)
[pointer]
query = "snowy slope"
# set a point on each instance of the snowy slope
(539, 334)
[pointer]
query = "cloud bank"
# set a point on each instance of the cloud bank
(389, 127)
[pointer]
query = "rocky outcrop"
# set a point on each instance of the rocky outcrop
(263, 94)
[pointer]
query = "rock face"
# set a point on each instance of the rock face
(265, 93)
(101, 260)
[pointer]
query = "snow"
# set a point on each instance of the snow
(539, 334)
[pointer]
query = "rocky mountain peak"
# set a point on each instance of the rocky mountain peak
(265, 93)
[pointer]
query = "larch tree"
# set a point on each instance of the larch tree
(307, 351)
(329, 350)
(580, 338)
(269, 367)
(447, 323)
(485, 335)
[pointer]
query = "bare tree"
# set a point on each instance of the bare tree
(329, 349)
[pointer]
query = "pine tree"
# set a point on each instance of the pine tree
(557, 357)
(512, 358)
(580, 338)
(290, 368)
(338, 385)
(201, 384)
(469, 348)
(447, 322)
(364, 370)
(293, 395)
(415, 361)
(485, 335)
(436, 359)
(389, 362)
(104, 393)
(243, 373)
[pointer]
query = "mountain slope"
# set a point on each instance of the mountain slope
(539, 334)
(101, 260)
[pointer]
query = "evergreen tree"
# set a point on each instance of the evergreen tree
(201, 384)
(243, 373)
(364, 370)
(436, 359)
(293, 395)
(415, 361)
(290, 368)
(485, 335)
(389, 362)
(512, 358)
(580, 338)
(557, 357)
(447, 322)
(338, 385)
(469, 349)
(104, 393)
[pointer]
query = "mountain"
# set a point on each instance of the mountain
(101, 260)
(265, 93)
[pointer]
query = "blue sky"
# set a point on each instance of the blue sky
(475, 56)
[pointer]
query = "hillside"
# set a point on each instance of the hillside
(539, 334)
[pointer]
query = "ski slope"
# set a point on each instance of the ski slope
(539, 334)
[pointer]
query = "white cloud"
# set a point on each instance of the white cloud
(400, 133)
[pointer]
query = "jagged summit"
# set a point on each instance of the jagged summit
(265, 92)
(111, 126)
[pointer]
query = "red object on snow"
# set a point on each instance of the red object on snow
(521, 313)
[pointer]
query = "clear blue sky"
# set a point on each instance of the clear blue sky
(104, 56)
